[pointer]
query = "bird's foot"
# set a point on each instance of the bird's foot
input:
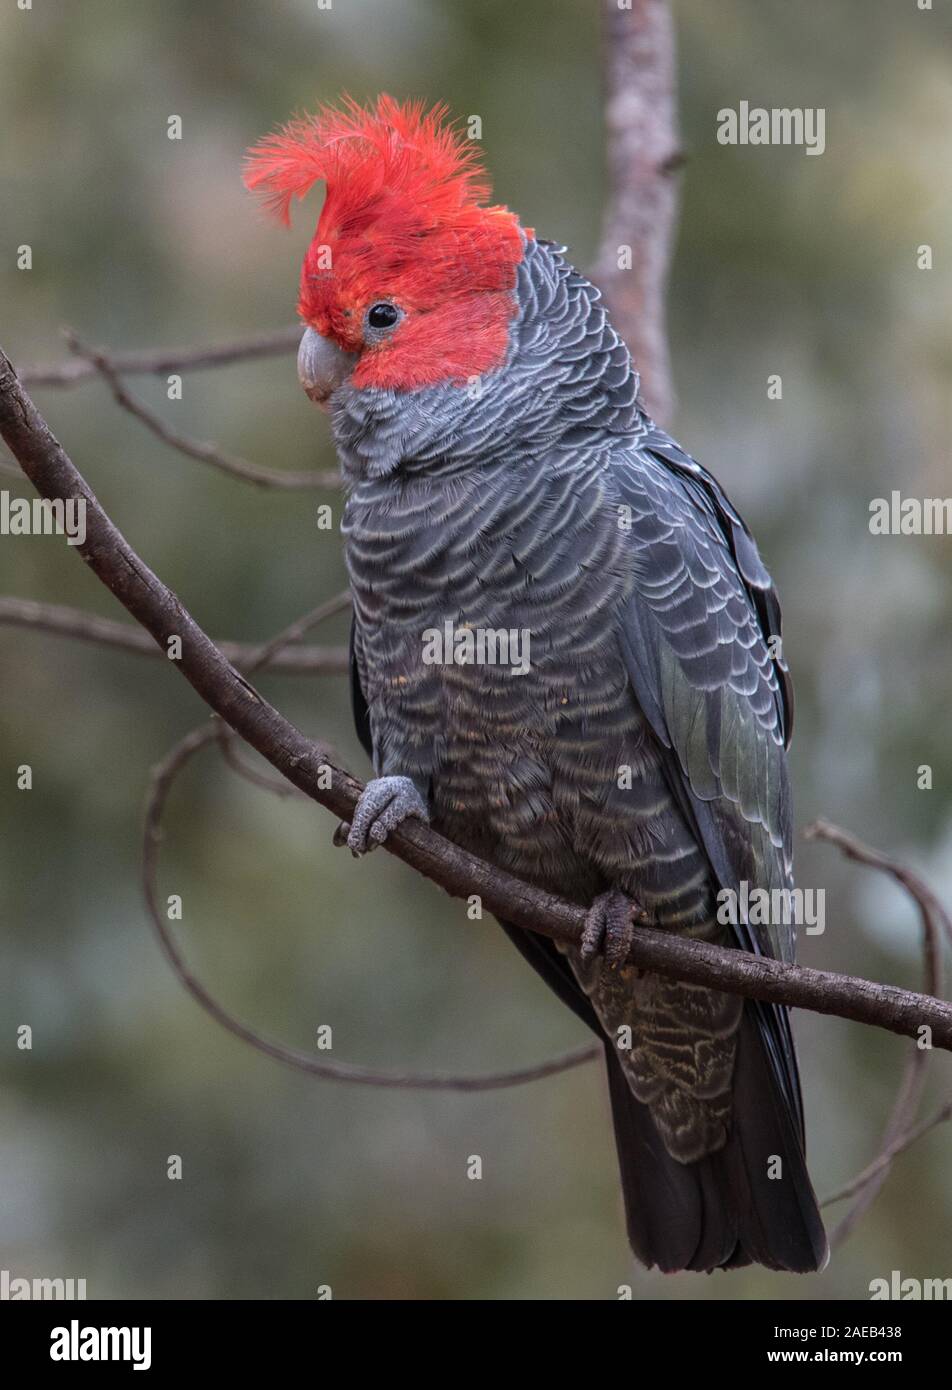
(385, 803)
(610, 928)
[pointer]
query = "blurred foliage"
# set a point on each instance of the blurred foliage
(785, 264)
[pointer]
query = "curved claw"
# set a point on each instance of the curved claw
(609, 928)
(384, 804)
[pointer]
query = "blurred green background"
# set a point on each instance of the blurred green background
(785, 264)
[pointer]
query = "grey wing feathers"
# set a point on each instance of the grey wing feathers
(695, 641)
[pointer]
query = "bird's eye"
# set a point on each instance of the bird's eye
(383, 315)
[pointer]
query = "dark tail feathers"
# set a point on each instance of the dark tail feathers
(725, 1210)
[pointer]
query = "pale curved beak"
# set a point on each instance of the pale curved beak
(322, 365)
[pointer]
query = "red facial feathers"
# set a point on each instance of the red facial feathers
(403, 220)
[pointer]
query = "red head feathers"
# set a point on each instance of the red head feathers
(404, 223)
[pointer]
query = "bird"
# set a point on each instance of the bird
(506, 486)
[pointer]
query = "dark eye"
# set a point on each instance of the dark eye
(383, 315)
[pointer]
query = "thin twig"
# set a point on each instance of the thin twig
(160, 362)
(196, 448)
(884, 1159)
(308, 765)
(87, 627)
(854, 849)
(266, 656)
(935, 921)
(162, 779)
(229, 743)
(269, 653)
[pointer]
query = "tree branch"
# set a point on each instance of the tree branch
(643, 154)
(301, 761)
(163, 777)
(195, 448)
(87, 627)
(883, 1161)
(901, 1123)
(160, 362)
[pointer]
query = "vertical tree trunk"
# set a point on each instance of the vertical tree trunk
(643, 153)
